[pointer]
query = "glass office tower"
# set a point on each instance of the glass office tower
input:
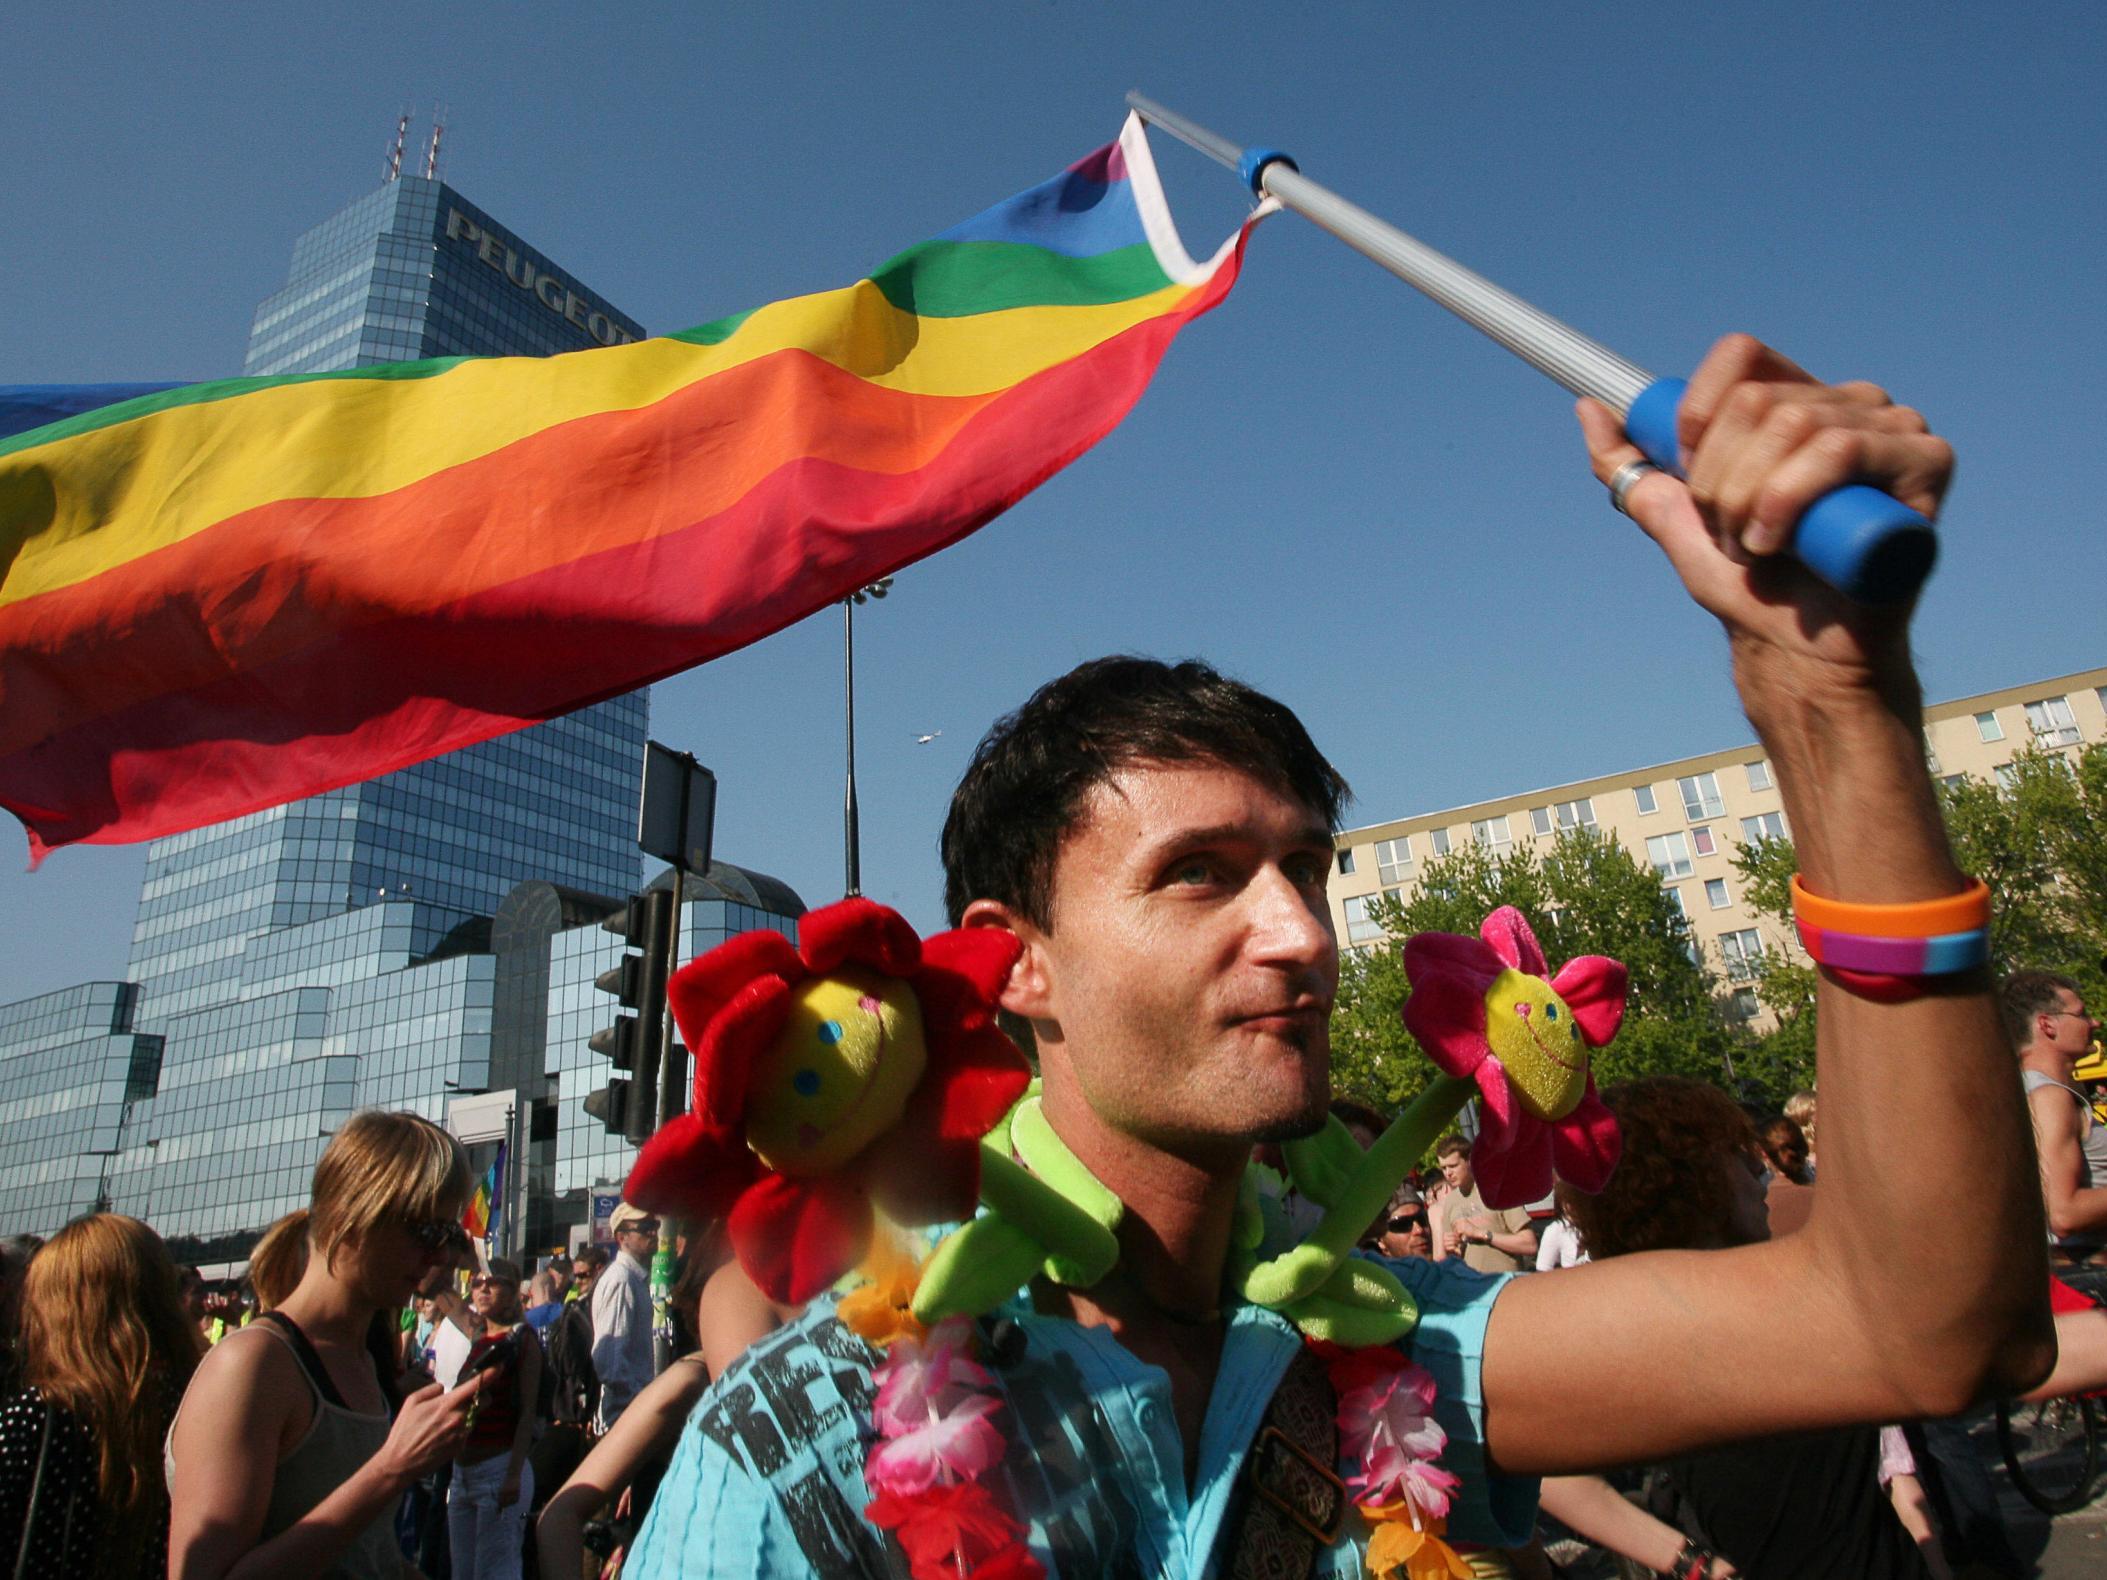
(410, 271)
(294, 965)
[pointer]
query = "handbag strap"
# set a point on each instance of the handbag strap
(36, 1492)
(1291, 1502)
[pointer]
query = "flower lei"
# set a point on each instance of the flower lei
(936, 1435)
(1386, 1423)
(818, 1071)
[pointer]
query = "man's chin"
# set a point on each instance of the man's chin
(1296, 1126)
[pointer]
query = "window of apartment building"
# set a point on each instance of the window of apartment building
(1540, 820)
(1702, 842)
(1759, 774)
(1742, 1005)
(1346, 862)
(1931, 756)
(2007, 775)
(1675, 898)
(1743, 951)
(1393, 859)
(2052, 722)
(1642, 797)
(1765, 825)
(1361, 928)
(1492, 833)
(1670, 854)
(1953, 781)
(2101, 693)
(1988, 728)
(1701, 797)
(1439, 841)
(1576, 814)
(1716, 894)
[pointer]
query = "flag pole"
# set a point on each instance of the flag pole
(1862, 542)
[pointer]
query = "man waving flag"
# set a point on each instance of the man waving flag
(220, 597)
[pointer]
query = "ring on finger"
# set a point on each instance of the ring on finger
(1625, 479)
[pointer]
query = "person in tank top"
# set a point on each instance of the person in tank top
(283, 1458)
(2050, 1029)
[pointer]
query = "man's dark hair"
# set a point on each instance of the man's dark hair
(1024, 790)
(1452, 1145)
(2025, 994)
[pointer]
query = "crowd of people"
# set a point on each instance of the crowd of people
(372, 1399)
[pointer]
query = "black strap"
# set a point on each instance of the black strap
(36, 1492)
(309, 1358)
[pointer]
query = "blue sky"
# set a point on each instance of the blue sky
(1332, 489)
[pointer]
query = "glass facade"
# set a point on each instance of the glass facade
(71, 1071)
(728, 902)
(294, 965)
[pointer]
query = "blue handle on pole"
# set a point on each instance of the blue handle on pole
(1871, 548)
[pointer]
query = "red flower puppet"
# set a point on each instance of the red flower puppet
(861, 1067)
(1481, 1007)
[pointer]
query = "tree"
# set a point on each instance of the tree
(2032, 834)
(1586, 895)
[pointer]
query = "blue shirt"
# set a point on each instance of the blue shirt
(768, 1476)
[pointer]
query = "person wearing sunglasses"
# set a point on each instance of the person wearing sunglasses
(283, 1458)
(493, 1484)
(2050, 1029)
(1403, 1229)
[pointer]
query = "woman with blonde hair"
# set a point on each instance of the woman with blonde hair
(106, 1352)
(283, 1459)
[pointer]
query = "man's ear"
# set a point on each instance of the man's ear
(1028, 992)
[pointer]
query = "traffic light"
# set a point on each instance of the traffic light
(635, 1043)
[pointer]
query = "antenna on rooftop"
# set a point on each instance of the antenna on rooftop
(402, 132)
(431, 152)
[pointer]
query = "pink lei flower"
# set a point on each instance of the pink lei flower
(1482, 1008)
(936, 1436)
(1386, 1422)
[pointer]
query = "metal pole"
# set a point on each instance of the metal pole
(1582, 365)
(850, 856)
(1864, 543)
(672, 1068)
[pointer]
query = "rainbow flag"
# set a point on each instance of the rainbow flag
(224, 596)
(486, 1207)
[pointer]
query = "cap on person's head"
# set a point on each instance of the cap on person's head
(627, 1216)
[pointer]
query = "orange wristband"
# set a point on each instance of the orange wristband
(1953, 913)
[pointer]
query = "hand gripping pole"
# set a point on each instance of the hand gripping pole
(1869, 546)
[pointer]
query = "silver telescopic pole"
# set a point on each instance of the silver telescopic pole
(1557, 350)
(1866, 544)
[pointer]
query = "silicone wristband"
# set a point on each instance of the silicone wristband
(1876, 987)
(1908, 957)
(1954, 913)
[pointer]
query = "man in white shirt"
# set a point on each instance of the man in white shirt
(622, 1314)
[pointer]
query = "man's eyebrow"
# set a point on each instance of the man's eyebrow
(1313, 836)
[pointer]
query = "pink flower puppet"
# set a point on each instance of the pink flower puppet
(1482, 1008)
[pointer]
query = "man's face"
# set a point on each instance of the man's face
(1186, 985)
(582, 1275)
(640, 1238)
(1456, 1169)
(2070, 1025)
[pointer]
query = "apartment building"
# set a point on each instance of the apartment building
(1687, 818)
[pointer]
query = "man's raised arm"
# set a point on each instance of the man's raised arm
(1879, 1309)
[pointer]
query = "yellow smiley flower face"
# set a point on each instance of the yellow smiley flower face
(839, 1073)
(1538, 1043)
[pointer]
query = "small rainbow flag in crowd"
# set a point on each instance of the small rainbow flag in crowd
(486, 1208)
(219, 597)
